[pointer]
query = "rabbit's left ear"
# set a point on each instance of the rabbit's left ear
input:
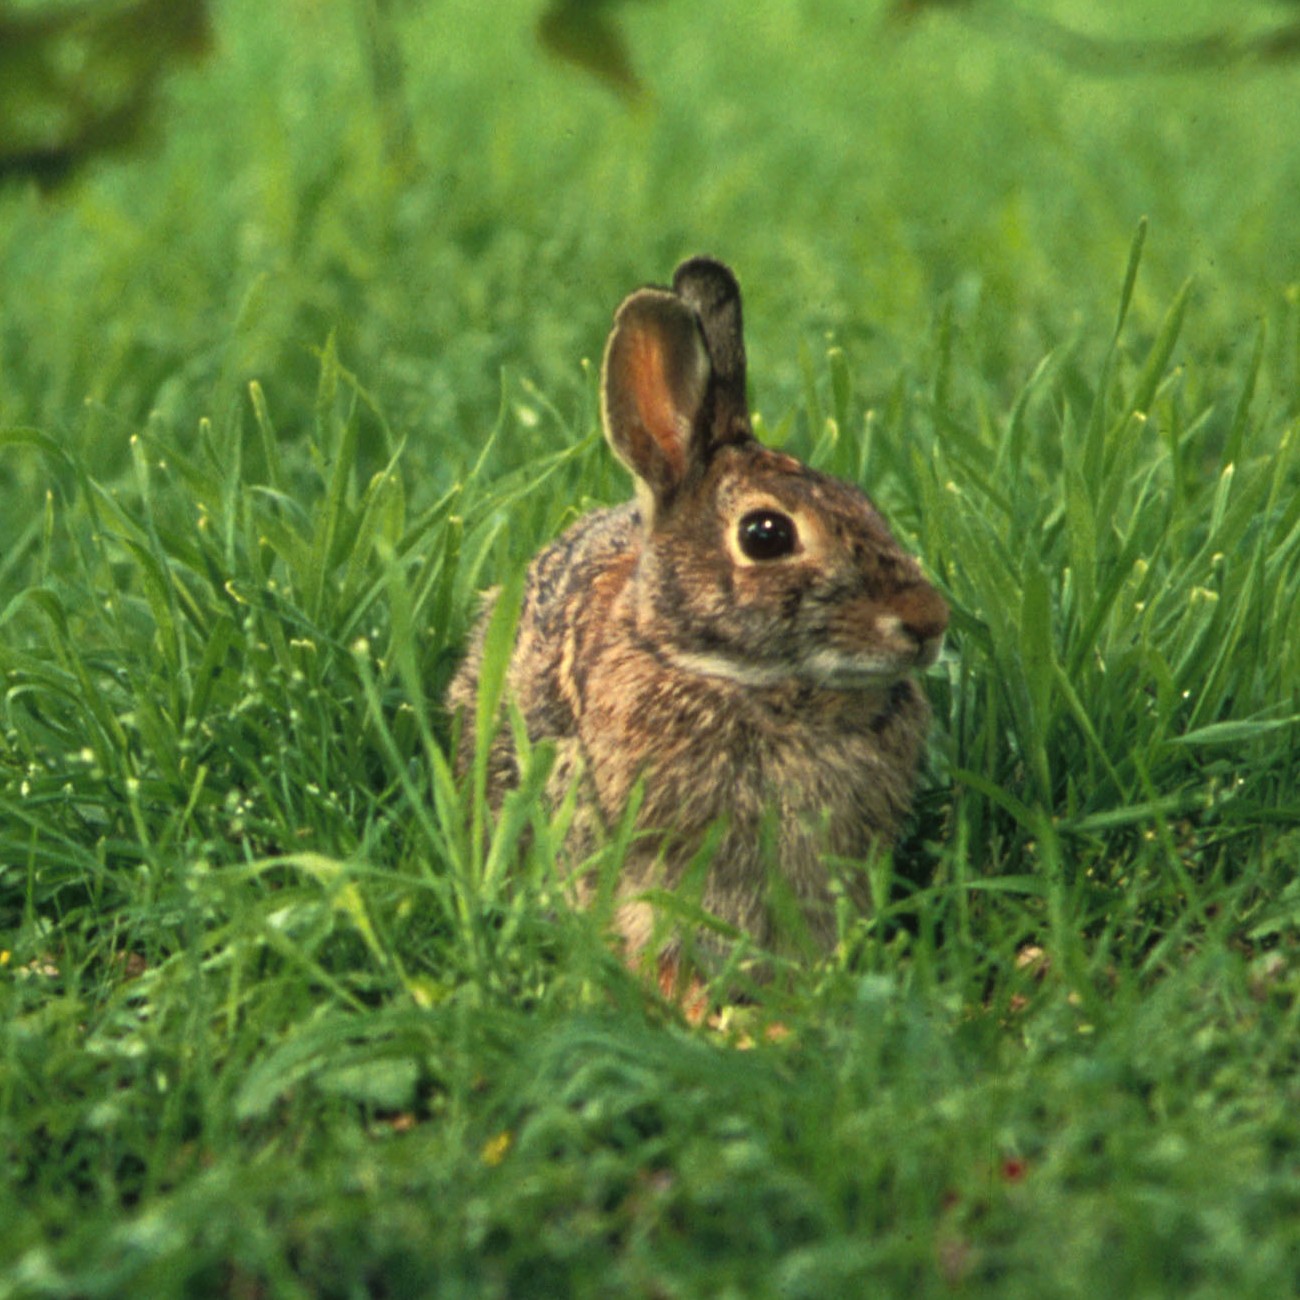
(654, 391)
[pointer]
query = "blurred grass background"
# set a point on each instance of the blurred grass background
(862, 173)
(274, 1025)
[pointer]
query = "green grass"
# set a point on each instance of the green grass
(277, 400)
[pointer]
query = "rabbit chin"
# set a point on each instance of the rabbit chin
(829, 669)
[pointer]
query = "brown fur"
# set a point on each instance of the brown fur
(772, 698)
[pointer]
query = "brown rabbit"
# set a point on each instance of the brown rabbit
(741, 638)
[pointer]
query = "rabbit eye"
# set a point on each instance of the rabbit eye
(767, 535)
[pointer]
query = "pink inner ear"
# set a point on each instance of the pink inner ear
(648, 377)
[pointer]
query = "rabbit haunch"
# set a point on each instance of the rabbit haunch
(740, 639)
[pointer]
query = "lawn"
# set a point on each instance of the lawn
(286, 386)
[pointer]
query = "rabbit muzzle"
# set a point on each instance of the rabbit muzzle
(869, 642)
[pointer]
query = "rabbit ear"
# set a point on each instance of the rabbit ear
(711, 289)
(654, 388)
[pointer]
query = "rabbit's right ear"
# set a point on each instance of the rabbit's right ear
(654, 386)
(710, 287)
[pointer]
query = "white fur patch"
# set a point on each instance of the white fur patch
(828, 668)
(731, 670)
(848, 671)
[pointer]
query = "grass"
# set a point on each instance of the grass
(277, 399)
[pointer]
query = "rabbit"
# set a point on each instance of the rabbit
(740, 638)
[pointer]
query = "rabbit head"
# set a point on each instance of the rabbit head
(752, 567)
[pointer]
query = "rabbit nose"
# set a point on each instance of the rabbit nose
(923, 614)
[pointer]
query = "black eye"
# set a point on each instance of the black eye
(767, 535)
